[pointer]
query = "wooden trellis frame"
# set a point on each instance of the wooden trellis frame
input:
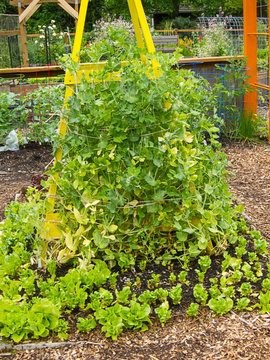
(250, 51)
(144, 39)
(26, 8)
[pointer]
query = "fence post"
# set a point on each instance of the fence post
(23, 37)
(250, 51)
(268, 74)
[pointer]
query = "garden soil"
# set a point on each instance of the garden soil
(232, 336)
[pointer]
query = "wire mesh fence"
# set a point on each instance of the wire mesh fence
(9, 41)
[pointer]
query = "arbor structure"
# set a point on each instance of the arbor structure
(26, 8)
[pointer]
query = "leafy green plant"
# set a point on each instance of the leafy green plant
(266, 285)
(252, 256)
(85, 325)
(123, 295)
(43, 108)
(118, 177)
(62, 329)
(204, 262)
(193, 309)
(221, 305)
(18, 321)
(9, 106)
(111, 320)
(163, 312)
(200, 293)
(136, 316)
(176, 294)
(154, 281)
(200, 274)
(160, 294)
(172, 278)
(214, 291)
(265, 301)
(242, 303)
(260, 246)
(182, 277)
(147, 297)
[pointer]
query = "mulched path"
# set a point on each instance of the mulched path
(232, 336)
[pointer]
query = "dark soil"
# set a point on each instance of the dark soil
(232, 336)
(17, 169)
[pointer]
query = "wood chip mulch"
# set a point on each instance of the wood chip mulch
(233, 336)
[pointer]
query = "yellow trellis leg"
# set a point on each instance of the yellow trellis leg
(50, 226)
(143, 35)
(142, 30)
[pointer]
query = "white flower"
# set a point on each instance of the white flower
(36, 41)
(60, 37)
(42, 36)
(41, 45)
(52, 21)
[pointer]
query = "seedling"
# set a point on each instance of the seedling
(193, 309)
(153, 283)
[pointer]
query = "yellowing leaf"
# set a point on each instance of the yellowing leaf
(71, 242)
(64, 255)
(79, 231)
(86, 242)
(113, 228)
(188, 137)
(81, 218)
(174, 151)
(111, 237)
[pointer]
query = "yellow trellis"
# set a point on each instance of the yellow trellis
(144, 39)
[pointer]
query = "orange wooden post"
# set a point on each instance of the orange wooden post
(269, 72)
(23, 37)
(76, 9)
(250, 51)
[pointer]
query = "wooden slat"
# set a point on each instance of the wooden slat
(27, 2)
(165, 40)
(10, 33)
(29, 11)
(69, 9)
(45, 71)
(32, 72)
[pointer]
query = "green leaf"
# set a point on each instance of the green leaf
(150, 180)
(100, 241)
(159, 195)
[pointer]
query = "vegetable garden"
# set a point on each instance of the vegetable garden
(146, 224)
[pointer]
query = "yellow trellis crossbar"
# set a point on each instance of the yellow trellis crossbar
(144, 39)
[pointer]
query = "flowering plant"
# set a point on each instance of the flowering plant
(50, 44)
(215, 40)
(110, 37)
(185, 47)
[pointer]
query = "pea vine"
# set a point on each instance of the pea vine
(142, 186)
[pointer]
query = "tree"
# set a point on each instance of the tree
(120, 7)
(5, 8)
(213, 7)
